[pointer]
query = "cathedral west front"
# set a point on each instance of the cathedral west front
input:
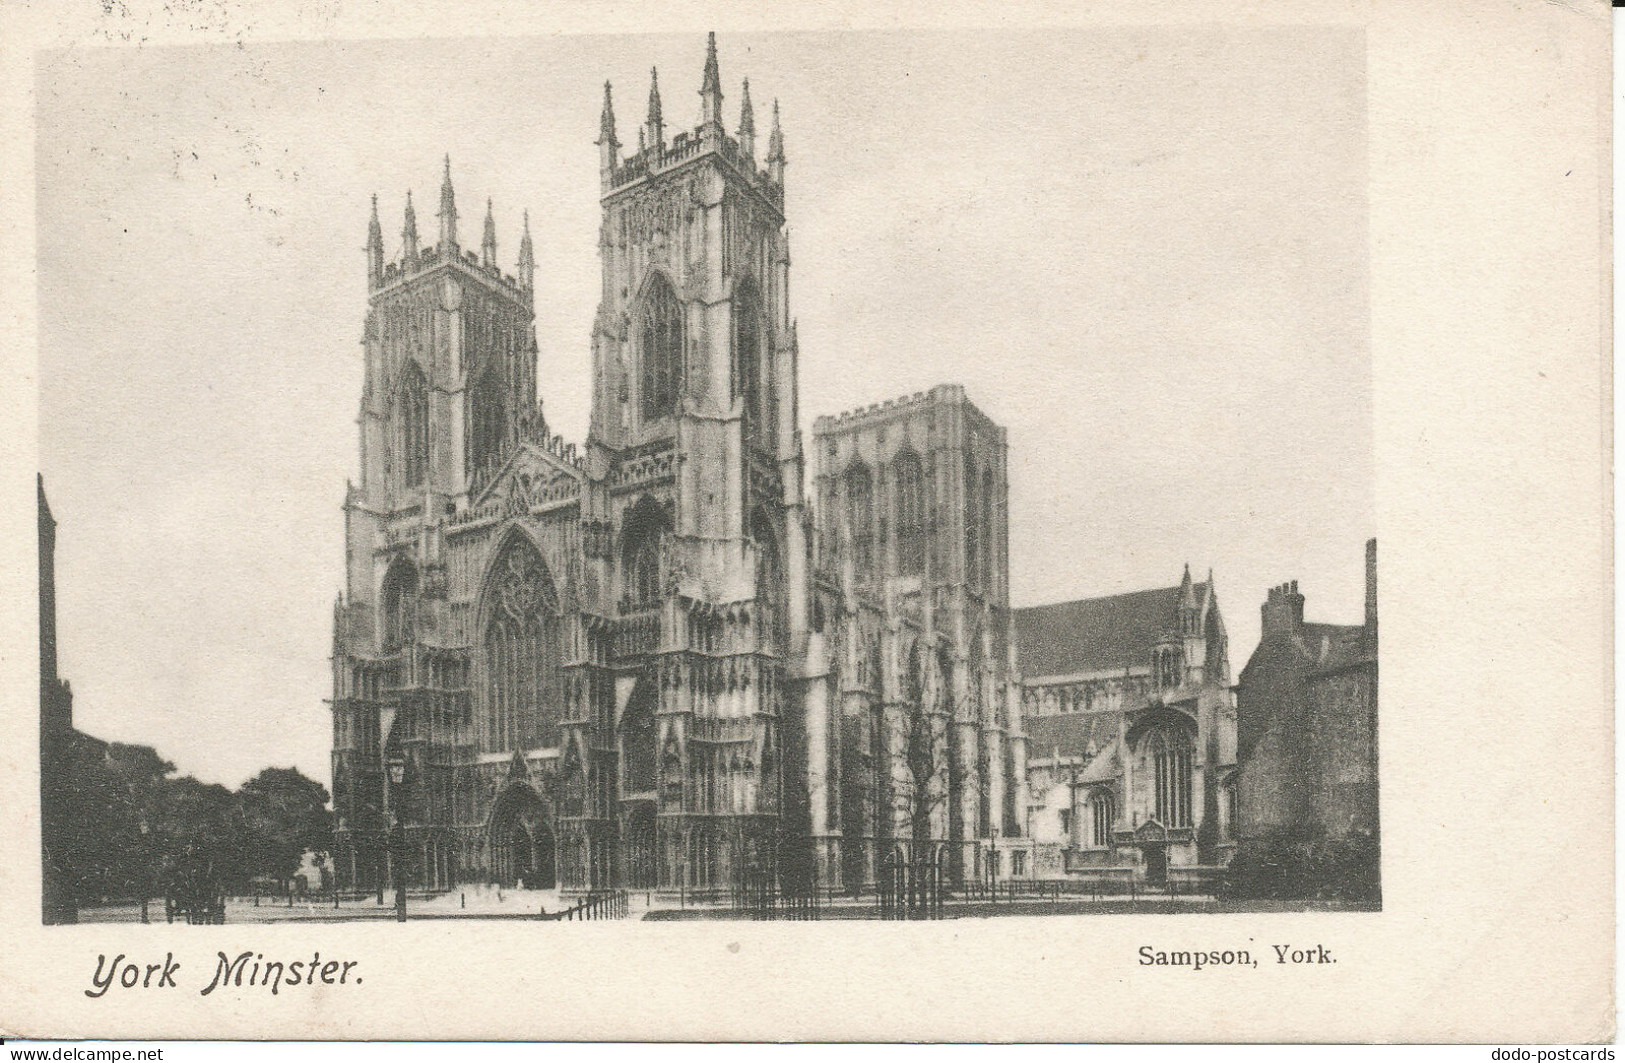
(697, 650)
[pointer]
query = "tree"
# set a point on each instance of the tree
(283, 814)
(115, 798)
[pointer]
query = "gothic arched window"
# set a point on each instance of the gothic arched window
(990, 543)
(413, 411)
(488, 418)
(638, 743)
(640, 553)
(1167, 669)
(1102, 814)
(973, 531)
(752, 376)
(661, 329)
(1171, 754)
(860, 502)
(770, 585)
(400, 594)
(910, 514)
(519, 652)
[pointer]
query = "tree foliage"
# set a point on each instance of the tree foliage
(130, 827)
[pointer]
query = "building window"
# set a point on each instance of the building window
(860, 502)
(973, 532)
(1102, 814)
(399, 604)
(1167, 671)
(1227, 802)
(1066, 824)
(661, 326)
(645, 525)
(489, 418)
(638, 743)
(1018, 863)
(752, 381)
(519, 653)
(1171, 764)
(910, 514)
(989, 540)
(414, 426)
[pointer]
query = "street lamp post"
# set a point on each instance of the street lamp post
(993, 862)
(396, 839)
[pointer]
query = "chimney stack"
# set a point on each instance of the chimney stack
(1371, 596)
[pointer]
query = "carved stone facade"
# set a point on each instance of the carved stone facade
(1132, 728)
(616, 667)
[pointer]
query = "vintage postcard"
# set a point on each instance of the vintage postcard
(860, 524)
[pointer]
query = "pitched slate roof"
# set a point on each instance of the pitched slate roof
(1096, 634)
(1069, 733)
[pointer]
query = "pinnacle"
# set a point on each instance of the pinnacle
(747, 114)
(654, 97)
(606, 121)
(775, 139)
(712, 83)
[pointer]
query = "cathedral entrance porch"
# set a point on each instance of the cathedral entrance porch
(520, 843)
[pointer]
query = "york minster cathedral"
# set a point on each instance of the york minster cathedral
(673, 656)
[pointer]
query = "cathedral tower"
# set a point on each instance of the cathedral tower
(448, 393)
(697, 482)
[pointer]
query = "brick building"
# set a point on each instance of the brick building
(1307, 788)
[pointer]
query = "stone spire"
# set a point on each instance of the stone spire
(447, 212)
(747, 124)
(488, 243)
(655, 124)
(375, 246)
(711, 87)
(527, 258)
(409, 231)
(775, 148)
(609, 148)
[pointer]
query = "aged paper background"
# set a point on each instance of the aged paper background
(1489, 230)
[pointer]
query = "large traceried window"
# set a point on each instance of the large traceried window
(660, 325)
(413, 411)
(400, 595)
(520, 653)
(1171, 755)
(910, 513)
(860, 501)
(752, 378)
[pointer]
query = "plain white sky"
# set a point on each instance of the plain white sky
(1143, 251)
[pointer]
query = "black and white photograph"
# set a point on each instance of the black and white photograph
(822, 476)
(621, 622)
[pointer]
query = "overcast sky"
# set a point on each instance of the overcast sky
(1143, 251)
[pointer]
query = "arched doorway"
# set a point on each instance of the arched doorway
(641, 867)
(521, 843)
